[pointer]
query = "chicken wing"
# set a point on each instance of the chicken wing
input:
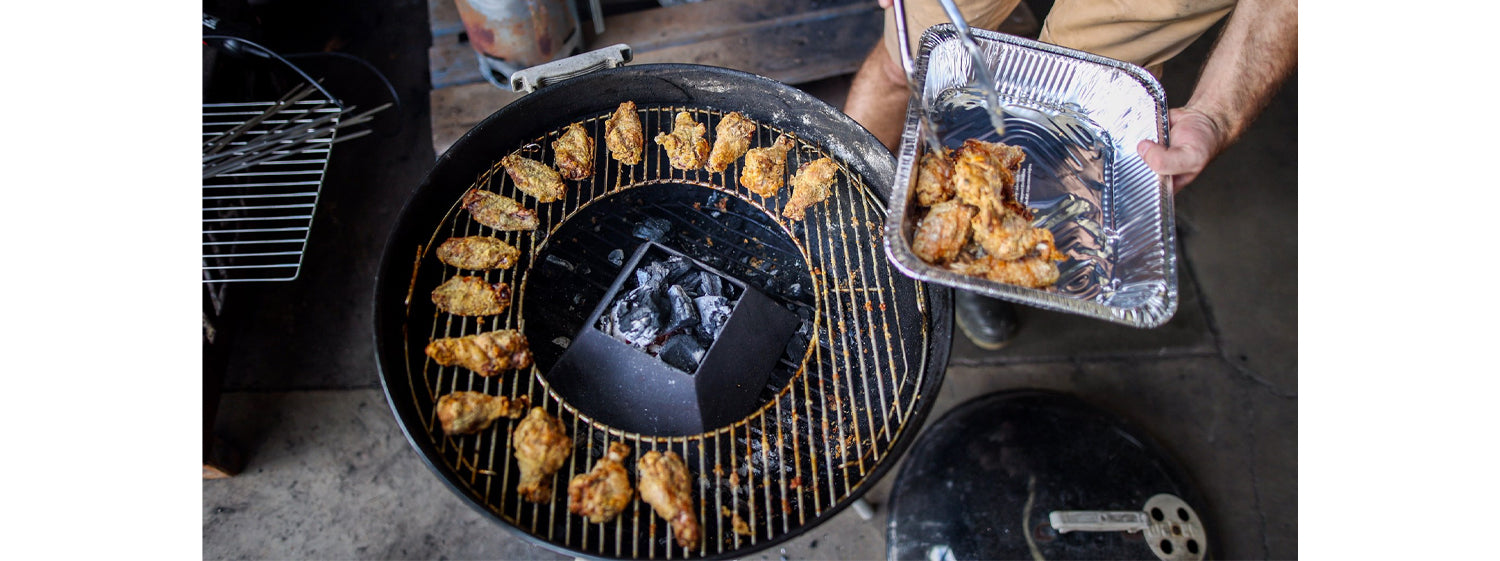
(472, 412)
(498, 211)
(934, 178)
(1006, 232)
(685, 146)
(487, 354)
(573, 154)
(471, 296)
(623, 135)
(541, 445)
(731, 140)
(602, 493)
(811, 184)
(943, 232)
(479, 253)
(664, 483)
(1032, 271)
(534, 178)
(765, 168)
(984, 172)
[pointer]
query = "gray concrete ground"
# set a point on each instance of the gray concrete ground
(330, 476)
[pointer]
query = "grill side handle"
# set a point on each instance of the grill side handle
(542, 75)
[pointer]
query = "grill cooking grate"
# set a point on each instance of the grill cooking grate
(834, 408)
(256, 220)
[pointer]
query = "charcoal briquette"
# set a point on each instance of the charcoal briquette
(684, 311)
(713, 313)
(682, 352)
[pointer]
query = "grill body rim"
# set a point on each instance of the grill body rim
(552, 107)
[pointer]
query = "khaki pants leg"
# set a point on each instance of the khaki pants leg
(922, 14)
(1142, 32)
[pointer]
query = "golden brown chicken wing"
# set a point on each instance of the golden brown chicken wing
(984, 172)
(487, 354)
(1032, 271)
(602, 493)
(943, 232)
(498, 211)
(686, 148)
(811, 184)
(665, 484)
(472, 412)
(471, 296)
(623, 135)
(731, 140)
(765, 168)
(934, 178)
(1006, 232)
(479, 253)
(535, 178)
(541, 444)
(573, 154)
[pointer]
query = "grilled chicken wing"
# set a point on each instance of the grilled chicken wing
(623, 135)
(1006, 233)
(810, 186)
(765, 168)
(487, 354)
(602, 493)
(685, 146)
(1032, 271)
(478, 253)
(535, 178)
(664, 483)
(943, 232)
(731, 140)
(541, 445)
(573, 153)
(498, 211)
(472, 412)
(471, 296)
(984, 172)
(934, 178)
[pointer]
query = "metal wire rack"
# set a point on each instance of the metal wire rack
(256, 219)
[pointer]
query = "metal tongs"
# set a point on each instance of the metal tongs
(979, 78)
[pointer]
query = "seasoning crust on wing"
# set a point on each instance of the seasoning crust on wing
(487, 354)
(602, 493)
(811, 185)
(623, 135)
(731, 140)
(664, 484)
(479, 253)
(471, 296)
(498, 211)
(686, 148)
(535, 178)
(541, 444)
(765, 168)
(573, 153)
(467, 412)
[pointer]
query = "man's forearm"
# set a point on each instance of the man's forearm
(1253, 56)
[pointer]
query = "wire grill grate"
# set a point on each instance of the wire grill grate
(810, 448)
(256, 220)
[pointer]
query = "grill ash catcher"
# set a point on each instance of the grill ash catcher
(658, 355)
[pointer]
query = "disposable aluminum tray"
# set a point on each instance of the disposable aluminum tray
(1079, 118)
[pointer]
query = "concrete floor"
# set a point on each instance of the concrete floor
(330, 476)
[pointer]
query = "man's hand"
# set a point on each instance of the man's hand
(1196, 141)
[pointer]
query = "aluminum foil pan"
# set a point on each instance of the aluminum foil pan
(1079, 118)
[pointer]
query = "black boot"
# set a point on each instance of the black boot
(989, 323)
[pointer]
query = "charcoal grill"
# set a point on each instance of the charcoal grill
(839, 408)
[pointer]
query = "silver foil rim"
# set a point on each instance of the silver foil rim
(1132, 278)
